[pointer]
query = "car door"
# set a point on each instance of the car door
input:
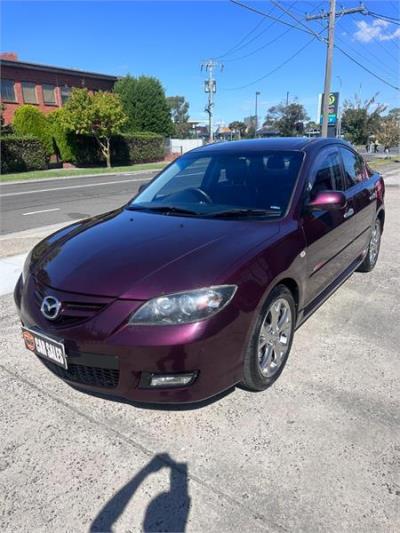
(360, 187)
(328, 234)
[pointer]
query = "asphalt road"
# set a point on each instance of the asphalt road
(319, 451)
(50, 201)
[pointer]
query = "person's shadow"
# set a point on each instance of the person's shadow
(168, 511)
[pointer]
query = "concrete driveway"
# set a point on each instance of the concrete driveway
(319, 451)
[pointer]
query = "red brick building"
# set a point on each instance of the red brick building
(42, 85)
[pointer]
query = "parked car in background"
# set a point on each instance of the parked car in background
(200, 281)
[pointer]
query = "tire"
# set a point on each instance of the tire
(373, 248)
(264, 363)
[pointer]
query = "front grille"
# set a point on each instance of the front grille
(74, 311)
(86, 375)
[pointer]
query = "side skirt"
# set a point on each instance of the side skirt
(326, 293)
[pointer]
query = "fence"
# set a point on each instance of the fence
(181, 146)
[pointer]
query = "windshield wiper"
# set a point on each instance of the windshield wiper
(245, 213)
(163, 209)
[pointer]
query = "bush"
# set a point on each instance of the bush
(140, 147)
(83, 150)
(61, 140)
(28, 120)
(19, 154)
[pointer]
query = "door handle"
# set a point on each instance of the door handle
(349, 213)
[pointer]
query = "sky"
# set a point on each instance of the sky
(169, 40)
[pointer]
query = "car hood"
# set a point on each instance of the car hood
(139, 255)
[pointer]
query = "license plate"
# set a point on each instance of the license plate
(45, 347)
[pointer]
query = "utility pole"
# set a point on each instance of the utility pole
(287, 98)
(210, 87)
(331, 15)
(256, 128)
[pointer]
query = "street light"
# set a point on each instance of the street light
(256, 128)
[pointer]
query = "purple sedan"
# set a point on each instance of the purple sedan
(199, 282)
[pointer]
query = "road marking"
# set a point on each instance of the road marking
(8, 194)
(41, 211)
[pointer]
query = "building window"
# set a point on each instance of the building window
(48, 94)
(65, 94)
(7, 91)
(29, 92)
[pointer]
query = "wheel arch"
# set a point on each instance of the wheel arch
(381, 217)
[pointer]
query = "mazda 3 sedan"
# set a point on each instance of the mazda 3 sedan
(199, 282)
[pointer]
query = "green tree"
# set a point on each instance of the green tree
(99, 114)
(179, 108)
(144, 102)
(287, 119)
(359, 121)
(389, 133)
(28, 120)
(61, 138)
(250, 126)
(238, 126)
(394, 113)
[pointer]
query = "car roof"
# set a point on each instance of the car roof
(266, 144)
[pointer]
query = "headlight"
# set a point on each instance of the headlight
(184, 307)
(27, 264)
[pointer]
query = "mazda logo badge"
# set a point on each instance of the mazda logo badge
(50, 307)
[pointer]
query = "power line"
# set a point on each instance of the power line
(383, 17)
(386, 50)
(308, 30)
(250, 8)
(273, 70)
(244, 45)
(367, 69)
(260, 47)
(276, 4)
(259, 23)
(371, 55)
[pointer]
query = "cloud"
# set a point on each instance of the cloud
(378, 30)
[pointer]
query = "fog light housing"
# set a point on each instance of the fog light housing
(164, 381)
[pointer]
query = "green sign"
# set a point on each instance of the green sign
(333, 108)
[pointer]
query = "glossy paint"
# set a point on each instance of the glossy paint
(117, 261)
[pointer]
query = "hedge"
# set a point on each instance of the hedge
(30, 121)
(83, 150)
(19, 154)
(62, 144)
(139, 147)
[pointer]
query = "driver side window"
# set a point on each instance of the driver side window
(328, 176)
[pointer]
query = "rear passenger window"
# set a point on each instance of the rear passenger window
(354, 168)
(328, 176)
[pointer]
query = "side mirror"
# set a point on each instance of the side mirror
(142, 187)
(328, 201)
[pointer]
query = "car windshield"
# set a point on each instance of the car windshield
(221, 184)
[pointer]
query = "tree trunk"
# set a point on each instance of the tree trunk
(108, 153)
(105, 149)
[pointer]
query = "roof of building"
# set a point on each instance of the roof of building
(49, 68)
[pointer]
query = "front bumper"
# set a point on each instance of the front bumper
(108, 357)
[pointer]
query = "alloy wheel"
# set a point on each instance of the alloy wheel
(375, 242)
(274, 337)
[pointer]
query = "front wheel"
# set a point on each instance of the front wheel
(373, 248)
(271, 340)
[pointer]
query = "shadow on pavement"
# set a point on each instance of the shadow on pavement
(168, 511)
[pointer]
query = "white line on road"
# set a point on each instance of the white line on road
(41, 211)
(8, 194)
